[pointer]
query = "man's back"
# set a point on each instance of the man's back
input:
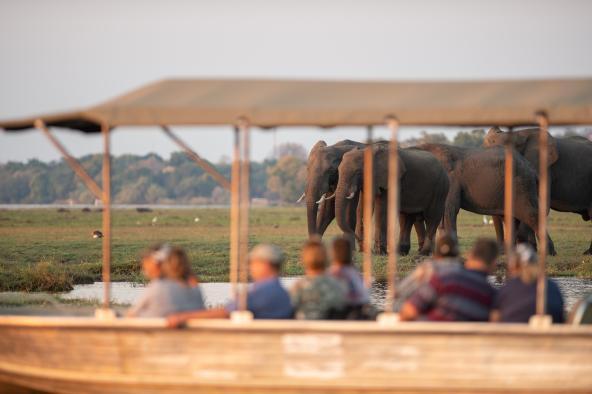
(455, 295)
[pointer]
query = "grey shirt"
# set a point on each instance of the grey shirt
(163, 297)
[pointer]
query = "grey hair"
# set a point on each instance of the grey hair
(524, 259)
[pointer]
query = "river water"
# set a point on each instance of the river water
(216, 294)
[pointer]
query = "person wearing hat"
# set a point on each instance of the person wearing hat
(266, 299)
(516, 300)
(446, 257)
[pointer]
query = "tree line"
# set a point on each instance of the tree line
(150, 179)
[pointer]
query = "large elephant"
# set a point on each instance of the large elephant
(423, 189)
(570, 167)
(321, 179)
(477, 185)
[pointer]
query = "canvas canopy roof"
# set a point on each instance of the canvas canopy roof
(271, 103)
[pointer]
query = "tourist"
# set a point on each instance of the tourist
(266, 299)
(317, 296)
(446, 257)
(516, 300)
(343, 269)
(457, 294)
(168, 292)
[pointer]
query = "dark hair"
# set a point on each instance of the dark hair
(485, 250)
(341, 250)
(314, 255)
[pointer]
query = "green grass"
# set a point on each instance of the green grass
(47, 250)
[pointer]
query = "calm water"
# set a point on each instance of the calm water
(219, 293)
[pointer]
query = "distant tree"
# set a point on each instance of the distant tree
(470, 139)
(292, 149)
(286, 179)
(426, 138)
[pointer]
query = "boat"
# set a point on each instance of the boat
(109, 354)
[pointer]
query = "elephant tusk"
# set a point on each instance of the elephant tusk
(301, 198)
(332, 196)
(352, 194)
(321, 199)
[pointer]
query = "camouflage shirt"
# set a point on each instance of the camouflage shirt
(318, 298)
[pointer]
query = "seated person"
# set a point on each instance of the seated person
(266, 299)
(516, 300)
(458, 294)
(446, 257)
(343, 269)
(317, 296)
(168, 292)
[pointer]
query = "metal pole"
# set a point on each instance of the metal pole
(72, 162)
(543, 122)
(244, 215)
(106, 216)
(207, 167)
(393, 213)
(235, 213)
(509, 195)
(368, 200)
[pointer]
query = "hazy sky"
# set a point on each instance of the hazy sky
(67, 54)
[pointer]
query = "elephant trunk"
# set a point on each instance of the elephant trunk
(342, 205)
(312, 196)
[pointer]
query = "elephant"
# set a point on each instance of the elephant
(570, 167)
(477, 185)
(322, 176)
(423, 189)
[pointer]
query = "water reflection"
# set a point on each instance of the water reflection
(219, 293)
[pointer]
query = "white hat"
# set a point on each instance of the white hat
(269, 253)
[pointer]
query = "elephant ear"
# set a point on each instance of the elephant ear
(531, 148)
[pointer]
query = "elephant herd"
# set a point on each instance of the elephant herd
(437, 180)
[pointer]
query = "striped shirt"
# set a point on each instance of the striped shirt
(455, 295)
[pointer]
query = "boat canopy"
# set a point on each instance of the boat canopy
(271, 103)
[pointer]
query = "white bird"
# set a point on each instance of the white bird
(154, 220)
(485, 221)
(196, 220)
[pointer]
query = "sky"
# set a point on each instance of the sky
(68, 54)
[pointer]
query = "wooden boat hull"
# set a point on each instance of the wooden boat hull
(79, 355)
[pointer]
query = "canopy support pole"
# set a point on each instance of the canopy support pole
(509, 196)
(393, 213)
(244, 127)
(90, 183)
(541, 296)
(235, 212)
(105, 131)
(368, 200)
(207, 167)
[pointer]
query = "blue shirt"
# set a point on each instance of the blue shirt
(516, 301)
(267, 299)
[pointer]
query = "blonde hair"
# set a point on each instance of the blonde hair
(177, 266)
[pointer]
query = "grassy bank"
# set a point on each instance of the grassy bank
(47, 250)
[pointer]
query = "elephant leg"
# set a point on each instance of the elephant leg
(529, 217)
(379, 224)
(451, 209)
(325, 216)
(431, 228)
(589, 251)
(359, 231)
(405, 224)
(498, 224)
(420, 231)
